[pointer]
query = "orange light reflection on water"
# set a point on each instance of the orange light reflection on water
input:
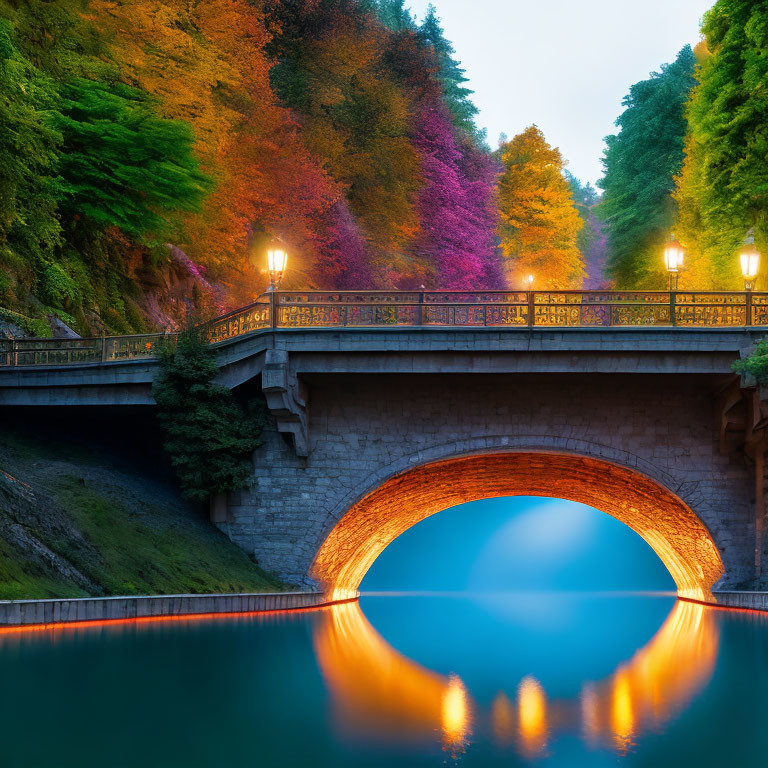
(455, 717)
(503, 720)
(378, 692)
(532, 717)
(622, 714)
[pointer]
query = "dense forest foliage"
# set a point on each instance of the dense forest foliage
(640, 166)
(692, 158)
(150, 149)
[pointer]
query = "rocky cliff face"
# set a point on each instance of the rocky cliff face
(178, 290)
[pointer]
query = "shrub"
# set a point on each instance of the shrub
(756, 363)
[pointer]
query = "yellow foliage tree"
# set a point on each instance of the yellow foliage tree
(699, 272)
(538, 222)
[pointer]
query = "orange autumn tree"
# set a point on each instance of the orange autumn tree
(204, 62)
(538, 222)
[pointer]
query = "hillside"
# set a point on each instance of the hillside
(83, 516)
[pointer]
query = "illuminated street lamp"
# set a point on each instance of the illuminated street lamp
(750, 261)
(277, 259)
(529, 282)
(673, 260)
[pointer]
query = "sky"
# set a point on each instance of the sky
(518, 544)
(563, 65)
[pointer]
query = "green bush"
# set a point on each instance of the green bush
(34, 326)
(756, 364)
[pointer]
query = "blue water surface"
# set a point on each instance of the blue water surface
(491, 680)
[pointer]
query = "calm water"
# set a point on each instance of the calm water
(506, 680)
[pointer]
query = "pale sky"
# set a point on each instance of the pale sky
(562, 64)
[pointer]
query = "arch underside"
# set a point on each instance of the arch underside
(670, 527)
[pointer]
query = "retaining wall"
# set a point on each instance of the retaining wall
(21, 612)
(756, 601)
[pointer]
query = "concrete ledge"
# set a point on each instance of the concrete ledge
(755, 601)
(23, 612)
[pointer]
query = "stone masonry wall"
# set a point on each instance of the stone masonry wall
(365, 429)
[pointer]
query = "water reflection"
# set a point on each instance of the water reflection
(660, 679)
(455, 717)
(532, 716)
(379, 693)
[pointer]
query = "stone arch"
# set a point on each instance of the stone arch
(652, 510)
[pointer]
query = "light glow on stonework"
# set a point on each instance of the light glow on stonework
(671, 528)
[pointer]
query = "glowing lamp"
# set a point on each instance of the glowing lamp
(673, 260)
(529, 281)
(277, 260)
(750, 261)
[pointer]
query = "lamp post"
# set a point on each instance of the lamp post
(531, 301)
(277, 259)
(750, 261)
(673, 260)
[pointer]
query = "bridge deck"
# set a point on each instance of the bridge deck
(415, 350)
(387, 310)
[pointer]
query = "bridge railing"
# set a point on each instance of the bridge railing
(18, 352)
(553, 309)
(391, 309)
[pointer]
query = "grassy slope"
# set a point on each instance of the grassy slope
(78, 520)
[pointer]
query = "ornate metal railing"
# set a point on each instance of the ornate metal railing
(553, 309)
(393, 309)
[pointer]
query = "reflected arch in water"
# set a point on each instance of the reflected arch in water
(379, 693)
(670, 526)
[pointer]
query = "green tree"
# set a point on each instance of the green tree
(723, 188)
(87, 172)
(394, 15)
(210, 437)
(641, 162)
(590, 239)
(121, 165)
(451, 75)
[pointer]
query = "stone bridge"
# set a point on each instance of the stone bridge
(377, 428)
